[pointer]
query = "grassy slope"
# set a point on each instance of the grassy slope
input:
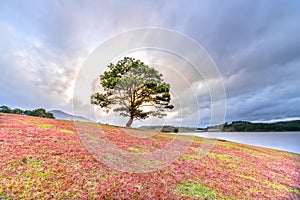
(45, 158)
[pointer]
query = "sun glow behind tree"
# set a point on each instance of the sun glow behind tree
(137, 89)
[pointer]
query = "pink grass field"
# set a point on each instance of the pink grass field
(45, 159)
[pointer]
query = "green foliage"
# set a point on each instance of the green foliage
(132, 85)
(17, 111)
(40, 112)
(5, 109)
(196, 190)
(244, 126)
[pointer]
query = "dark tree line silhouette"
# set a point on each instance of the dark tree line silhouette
(39, 112)
(244, 126)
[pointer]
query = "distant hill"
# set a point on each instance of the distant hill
(58, 114)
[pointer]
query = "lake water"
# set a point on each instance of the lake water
(287, 141)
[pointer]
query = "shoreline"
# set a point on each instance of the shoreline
(256, 143)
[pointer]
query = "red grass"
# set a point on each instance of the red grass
(45, 158)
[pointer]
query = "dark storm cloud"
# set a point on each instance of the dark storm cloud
(255, 45)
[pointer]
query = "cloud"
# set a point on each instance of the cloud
(255, 45)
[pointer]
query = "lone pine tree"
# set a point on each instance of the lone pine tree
(130, 86)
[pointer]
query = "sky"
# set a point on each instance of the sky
(255, 46)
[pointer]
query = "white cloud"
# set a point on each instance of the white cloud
(254, 44)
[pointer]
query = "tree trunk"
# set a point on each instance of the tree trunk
(128, 124)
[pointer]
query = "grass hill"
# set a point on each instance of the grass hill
(43, 158)
(58, 114)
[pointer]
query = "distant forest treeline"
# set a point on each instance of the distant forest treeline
(236, 126)
(244, 126)
(39, 112)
